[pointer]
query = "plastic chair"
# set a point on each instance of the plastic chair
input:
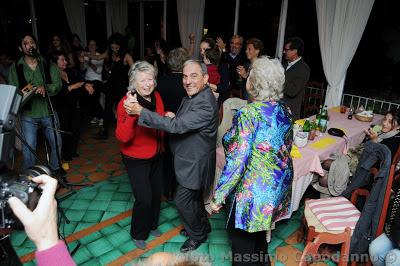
(310, 253)
(315, 227)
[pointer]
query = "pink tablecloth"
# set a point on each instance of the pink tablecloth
(311, 157)
(310, 161)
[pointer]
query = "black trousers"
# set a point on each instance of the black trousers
(169, 171)
(247, 248)
(146, 182)
(190, 205)
(69, 122)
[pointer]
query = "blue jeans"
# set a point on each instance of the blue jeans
(382, 252)
(29, 128)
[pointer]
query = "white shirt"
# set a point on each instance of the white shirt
(290, 64)
(90, 73)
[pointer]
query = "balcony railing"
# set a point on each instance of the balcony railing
(378, 106)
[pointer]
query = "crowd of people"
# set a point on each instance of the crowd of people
(167, 107)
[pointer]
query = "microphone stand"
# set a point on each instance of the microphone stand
(56, 125)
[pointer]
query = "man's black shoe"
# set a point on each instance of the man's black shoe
(190, 245)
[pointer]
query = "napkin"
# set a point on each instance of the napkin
(295, 153)
(300, 122)
(335, 109)
(323, 143)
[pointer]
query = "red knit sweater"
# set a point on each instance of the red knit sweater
(137, 141)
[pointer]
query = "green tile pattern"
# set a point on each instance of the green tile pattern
(108, 198)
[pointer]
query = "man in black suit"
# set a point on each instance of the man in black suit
(296, 76)
(193, 145)
(234, 58)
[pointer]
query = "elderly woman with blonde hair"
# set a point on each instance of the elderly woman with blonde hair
(256, 180)
(141, 149)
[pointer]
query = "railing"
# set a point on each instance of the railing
(378, 106)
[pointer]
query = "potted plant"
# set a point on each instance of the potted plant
(313, 130)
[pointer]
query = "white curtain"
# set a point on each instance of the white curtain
(190, 20)
(341, 24)
(117, 12)
(75, 12)
(281, 32)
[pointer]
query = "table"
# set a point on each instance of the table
(318, 150)
(312, 154)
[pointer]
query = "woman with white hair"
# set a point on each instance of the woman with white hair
(141, 149)
(256, 180)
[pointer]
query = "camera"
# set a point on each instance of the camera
(22, 187)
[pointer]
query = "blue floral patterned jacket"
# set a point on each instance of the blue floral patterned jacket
(258, 172)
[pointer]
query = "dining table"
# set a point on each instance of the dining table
(307, 160)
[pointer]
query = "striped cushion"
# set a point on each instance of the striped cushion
(335, 213)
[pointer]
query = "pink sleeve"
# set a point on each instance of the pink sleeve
(56, 255)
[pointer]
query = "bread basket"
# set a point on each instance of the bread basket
(364, 118)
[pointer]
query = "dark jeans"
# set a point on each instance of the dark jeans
(247, 248)
(190, 205)
(146, 180)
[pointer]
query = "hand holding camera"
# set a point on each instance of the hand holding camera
(41, 223)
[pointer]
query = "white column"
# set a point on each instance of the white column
(33, 18)
(237, 7)
(281, 32)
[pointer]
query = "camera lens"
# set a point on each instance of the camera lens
(37, 170)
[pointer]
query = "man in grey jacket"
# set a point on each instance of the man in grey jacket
(193, 142)
(296, 75)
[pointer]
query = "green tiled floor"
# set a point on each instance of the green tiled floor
(109, 198)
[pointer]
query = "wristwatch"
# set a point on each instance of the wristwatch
(224, 50)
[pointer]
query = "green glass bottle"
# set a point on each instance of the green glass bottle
(318, 116)
(307, 125)
(323, 122)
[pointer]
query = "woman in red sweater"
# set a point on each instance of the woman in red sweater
(141, 150)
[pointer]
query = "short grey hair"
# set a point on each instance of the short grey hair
(199, 63)
(140, 66)
(237, 37)
(176, 58)
(267, 78)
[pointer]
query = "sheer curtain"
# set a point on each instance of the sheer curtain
(75, 12)
(341, 24)
(117, 12)
(190, 20)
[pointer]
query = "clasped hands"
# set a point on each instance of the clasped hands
(214, 207)
(132, 106)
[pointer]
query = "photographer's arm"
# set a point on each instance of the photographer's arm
(41, 224)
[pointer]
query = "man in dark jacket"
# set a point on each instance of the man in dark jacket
(193, 145)
(296, 76)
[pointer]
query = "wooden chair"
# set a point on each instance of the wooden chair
(314, 96)
(310, 253)
(315, 227)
